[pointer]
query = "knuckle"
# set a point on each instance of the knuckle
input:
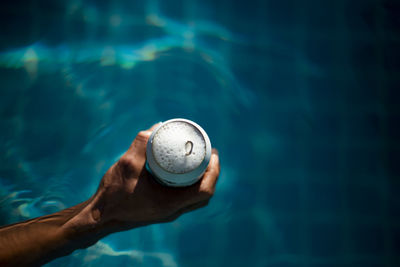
(125, 165)
(216, 169)
(125, 161)
(216, 172)
(210, 193)
(143, 135)
(207, 193)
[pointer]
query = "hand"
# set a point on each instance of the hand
(129, 196)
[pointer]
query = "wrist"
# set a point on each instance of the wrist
(85, 224)
(107, 213)
(93, 221)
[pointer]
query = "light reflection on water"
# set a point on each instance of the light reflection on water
(297, 96)
(85, 85)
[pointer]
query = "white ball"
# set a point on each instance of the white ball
(178, 147)
(178, 152)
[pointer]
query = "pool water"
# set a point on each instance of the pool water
(300, 97)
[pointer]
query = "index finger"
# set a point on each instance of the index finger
(211, 175)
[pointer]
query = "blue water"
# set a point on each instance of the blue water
(300, 98)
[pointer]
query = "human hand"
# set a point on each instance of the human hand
(129, 196)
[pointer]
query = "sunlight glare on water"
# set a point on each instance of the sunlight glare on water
(108, 84)
(298, 97)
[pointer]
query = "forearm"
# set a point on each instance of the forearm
(42, 239)
(127, 197)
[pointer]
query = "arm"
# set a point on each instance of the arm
(127, 197)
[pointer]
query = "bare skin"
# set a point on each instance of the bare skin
(127, 197)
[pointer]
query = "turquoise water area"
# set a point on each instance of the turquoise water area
(300, 97)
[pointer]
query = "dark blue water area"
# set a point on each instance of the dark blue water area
(300, 97)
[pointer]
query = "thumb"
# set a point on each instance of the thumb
(139, 144)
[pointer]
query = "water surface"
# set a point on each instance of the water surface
(298, 96)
